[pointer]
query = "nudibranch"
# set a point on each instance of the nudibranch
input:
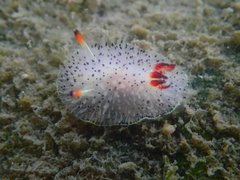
(111, 84)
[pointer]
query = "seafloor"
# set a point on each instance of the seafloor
(40, 139)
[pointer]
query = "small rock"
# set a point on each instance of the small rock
(168, 129)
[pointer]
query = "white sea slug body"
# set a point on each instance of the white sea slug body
(119, 84)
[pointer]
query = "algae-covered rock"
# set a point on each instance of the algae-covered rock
(139, 31)
(128, 170)
(235, 39)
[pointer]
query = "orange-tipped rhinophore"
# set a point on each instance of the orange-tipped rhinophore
(76, 93)
(79, 37)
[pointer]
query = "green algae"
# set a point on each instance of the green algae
(169, 171)
(40, 139)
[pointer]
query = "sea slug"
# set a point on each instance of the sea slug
(111, 84)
